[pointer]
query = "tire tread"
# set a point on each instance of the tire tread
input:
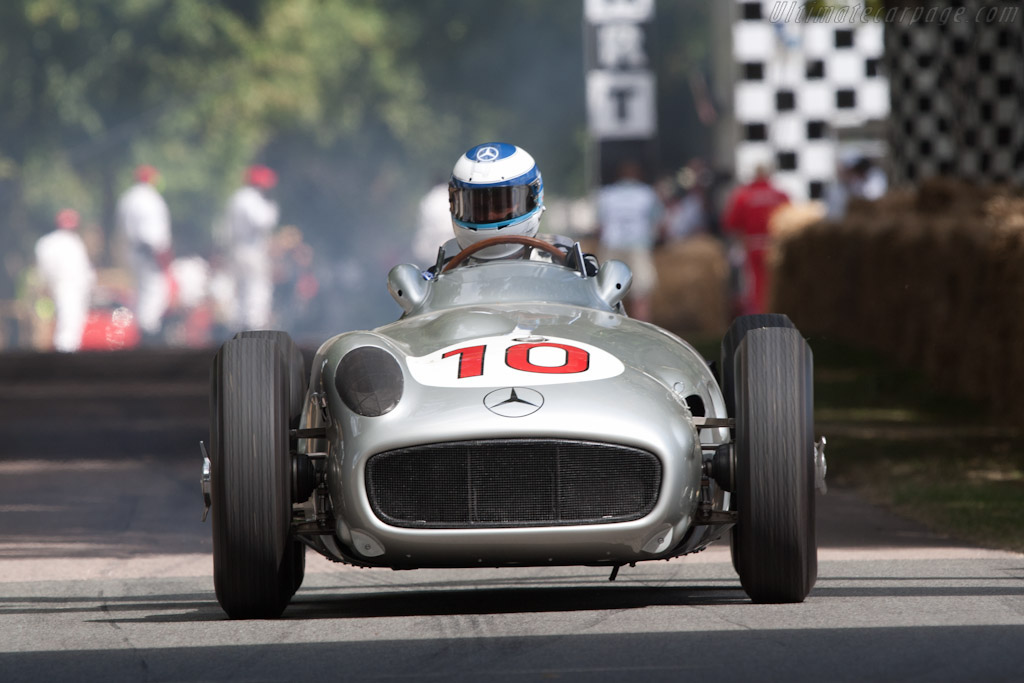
(776, 550)
(251, 479)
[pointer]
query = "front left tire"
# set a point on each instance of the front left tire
(254, 560)
(298, 381)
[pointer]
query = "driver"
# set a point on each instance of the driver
(495, 190)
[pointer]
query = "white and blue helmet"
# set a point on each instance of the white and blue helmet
(495, 189)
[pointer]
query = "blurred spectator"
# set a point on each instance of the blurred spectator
(857, 178)
(145, 223)
(875, 183)
(746, 219)
(433, 225)
(191, 275)
(686, 202)
(222, 299)
(190, 318)
(249, 221)
(68, 275)
(628, 212)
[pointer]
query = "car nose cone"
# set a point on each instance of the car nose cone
(513, 401)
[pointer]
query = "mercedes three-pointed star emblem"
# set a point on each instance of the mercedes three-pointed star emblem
(513, 401)
(487, 153)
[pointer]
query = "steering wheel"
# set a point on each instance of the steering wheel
(557, 254)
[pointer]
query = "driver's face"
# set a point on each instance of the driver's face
(495, 214)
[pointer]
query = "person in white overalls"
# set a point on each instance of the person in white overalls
(145, 223)
(65, 269)
(249, 221)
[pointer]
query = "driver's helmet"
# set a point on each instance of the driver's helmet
(495, 189)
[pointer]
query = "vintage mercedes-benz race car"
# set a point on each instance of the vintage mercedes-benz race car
(513, 416)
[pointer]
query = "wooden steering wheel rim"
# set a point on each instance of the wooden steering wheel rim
(557, 253)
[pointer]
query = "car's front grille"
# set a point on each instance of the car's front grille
(512, 483)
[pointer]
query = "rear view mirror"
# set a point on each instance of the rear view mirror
(613, 281)
(407, 286)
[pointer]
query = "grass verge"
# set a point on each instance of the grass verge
(930, 456)
(898, 442)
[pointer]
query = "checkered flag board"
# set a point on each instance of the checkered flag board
(797, 83)
(958, 95)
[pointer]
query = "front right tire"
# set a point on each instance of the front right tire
(735, 335)
(774, 546)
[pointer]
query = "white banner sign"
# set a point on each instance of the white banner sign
(620, 104)
(621, 101)
(602, 11)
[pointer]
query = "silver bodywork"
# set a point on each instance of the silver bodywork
(637, 390)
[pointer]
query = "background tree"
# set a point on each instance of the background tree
(359, 105)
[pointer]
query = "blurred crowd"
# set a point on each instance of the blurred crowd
(261, 274)
(637, 216)
(258, 275)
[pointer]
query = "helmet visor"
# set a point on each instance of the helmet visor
(483, 205)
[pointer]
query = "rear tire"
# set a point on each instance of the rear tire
(253, 561)
(774, 545)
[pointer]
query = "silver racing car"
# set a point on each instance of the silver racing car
(513, 416)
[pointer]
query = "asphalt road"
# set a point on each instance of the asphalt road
(105, 574)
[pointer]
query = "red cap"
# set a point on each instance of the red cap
(146, 173)
(260, 176)
(67, 219)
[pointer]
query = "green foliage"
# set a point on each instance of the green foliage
(359, 104)
(197, 88)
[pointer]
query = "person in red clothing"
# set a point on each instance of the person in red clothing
(746, 218)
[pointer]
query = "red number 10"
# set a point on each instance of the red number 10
(471, 360)
(517, 357)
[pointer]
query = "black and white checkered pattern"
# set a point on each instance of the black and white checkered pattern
(797, 83)
(957, 96)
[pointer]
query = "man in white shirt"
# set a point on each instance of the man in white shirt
(628, 211)
(249, 221)
(65, 269)
(145, 222)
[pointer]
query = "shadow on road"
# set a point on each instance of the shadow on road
(812, 654)
(470, 599)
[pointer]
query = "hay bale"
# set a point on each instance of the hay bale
(933, 277)
(692, 295)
